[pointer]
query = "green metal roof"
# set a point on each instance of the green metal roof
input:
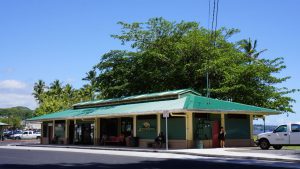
(138, 98)
(126, 109)
(194, 102)
(189, 102)
(65, 114)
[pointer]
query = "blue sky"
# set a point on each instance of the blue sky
(63, 39)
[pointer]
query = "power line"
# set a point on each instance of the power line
(213, 36)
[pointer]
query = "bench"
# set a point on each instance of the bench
(114, 140)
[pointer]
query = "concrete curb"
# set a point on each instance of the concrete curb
(168, 152)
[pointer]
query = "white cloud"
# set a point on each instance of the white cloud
(16, 93)
(15, 99)
(12, 84)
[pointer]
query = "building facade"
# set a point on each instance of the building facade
(193, 121)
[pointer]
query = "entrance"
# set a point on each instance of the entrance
(50, 134)
(215, 134)
(126, 126)
(71, 132)
(115, 129)
(84, 133)
(206, 130)
(109, 127)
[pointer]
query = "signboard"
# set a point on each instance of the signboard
(166, 114)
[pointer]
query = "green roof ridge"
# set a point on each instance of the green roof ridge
(178, 91)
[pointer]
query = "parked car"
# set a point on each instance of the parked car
(27, 135)
(9, 134)
(283, 135)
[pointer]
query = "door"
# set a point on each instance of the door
(25, 135)
(280, 135)
(71, 132)
(50, 134)
(215, 134)
(295, 134)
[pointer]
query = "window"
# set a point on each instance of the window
(295, 127)
(282, 128)
(25, 132)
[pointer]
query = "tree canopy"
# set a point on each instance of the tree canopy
(168, 55)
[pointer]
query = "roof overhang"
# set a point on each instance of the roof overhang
(161, 112)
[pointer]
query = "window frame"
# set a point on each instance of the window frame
(298, 128)
(275, 131)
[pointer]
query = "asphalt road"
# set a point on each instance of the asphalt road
(23, 159)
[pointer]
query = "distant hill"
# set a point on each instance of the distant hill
(19, 111)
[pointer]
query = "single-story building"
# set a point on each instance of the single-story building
(194, 120)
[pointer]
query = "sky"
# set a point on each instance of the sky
(63, 39)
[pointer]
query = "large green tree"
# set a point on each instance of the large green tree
(167, 55)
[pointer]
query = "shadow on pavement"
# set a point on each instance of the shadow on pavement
(164, 164)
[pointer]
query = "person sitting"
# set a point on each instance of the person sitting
(160, 140)
(103, 139)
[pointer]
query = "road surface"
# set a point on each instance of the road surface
(34, 159)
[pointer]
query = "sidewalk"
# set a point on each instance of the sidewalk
(234, 153)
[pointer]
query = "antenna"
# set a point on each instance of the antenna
(213, 35)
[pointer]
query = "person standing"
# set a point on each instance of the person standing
(222, 135)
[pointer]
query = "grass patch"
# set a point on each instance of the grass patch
(292, 147)
(254, 137)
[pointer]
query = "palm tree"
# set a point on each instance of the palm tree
(91, 76)
(56, 87)
(68, 90)
(38, 90)
(249, 48)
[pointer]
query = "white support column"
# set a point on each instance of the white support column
(158, 126)
(42, 131)
(75, 128)
(134, 126)
(66, 140)
(97, 131)
(223, 120)
(189, 126)
(53, 130)
(251, 126)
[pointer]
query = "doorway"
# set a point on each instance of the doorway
(50, 134)
(71, 132)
